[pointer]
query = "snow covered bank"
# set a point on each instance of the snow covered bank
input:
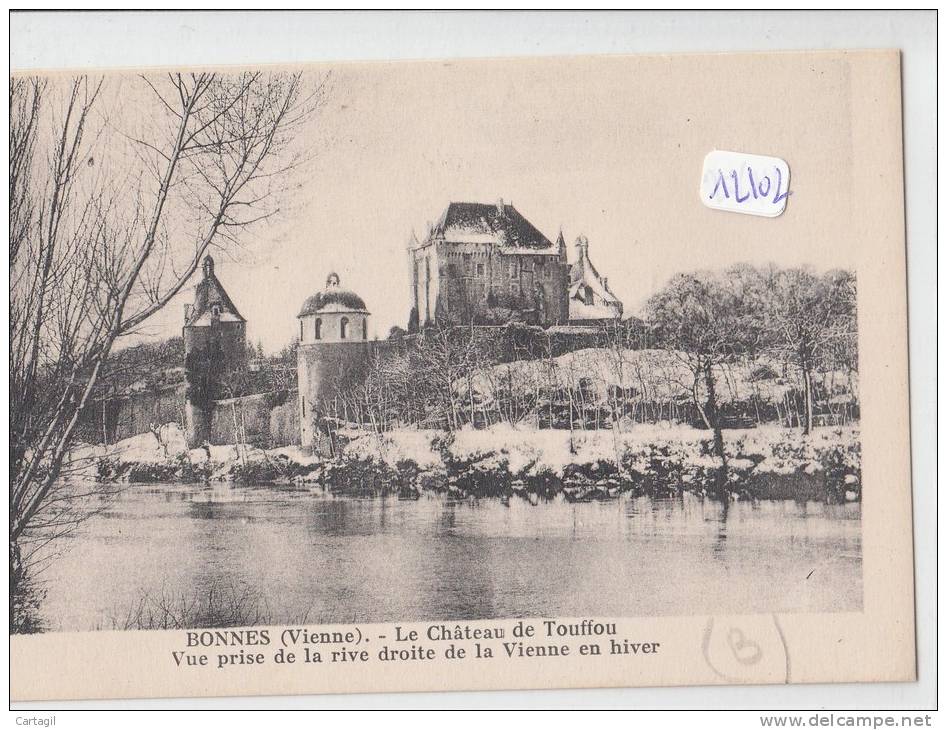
(163, 456)
(768, 462)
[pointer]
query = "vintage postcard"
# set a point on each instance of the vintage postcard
(482, 374)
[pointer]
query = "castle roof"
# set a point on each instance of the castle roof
(333, 299)
(498, 223)
(209, 293)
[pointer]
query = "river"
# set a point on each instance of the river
(304, 556)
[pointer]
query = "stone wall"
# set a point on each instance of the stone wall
(464, 282)
(114, 419)
(518, 341)
(266, 419)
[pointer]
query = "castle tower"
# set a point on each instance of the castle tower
(561, 247)
(333, 355)
(414, 323)
(591, 300)
(486, 264)
(214, 346)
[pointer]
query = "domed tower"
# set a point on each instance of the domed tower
(333, 356)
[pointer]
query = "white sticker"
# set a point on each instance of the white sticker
(753, 184)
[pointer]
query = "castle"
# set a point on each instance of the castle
(487, 264)
(480, 264)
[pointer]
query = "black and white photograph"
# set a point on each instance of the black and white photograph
(447, 342)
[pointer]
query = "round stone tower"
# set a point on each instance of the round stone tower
(333, 356)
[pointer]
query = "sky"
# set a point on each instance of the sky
(606, 147)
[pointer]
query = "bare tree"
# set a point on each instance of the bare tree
(810, 323)
(443, 359)
(707, 320)
(109, 219)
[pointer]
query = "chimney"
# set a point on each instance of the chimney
(501, 207)
(187, 312)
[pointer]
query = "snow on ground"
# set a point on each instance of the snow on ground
(779, 450)
(296, 454)
(394, 446)
(783, 450)
(145, 448)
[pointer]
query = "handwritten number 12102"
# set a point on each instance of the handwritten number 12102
(757, 189)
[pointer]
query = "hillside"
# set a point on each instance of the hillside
(651, 385)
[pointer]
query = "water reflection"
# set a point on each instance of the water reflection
(323, 559)
(720, 542)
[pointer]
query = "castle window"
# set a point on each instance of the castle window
(344, 328)
(304, 406)
(301, 337)
(513, 271)
(479, 269)
(318, 330)
(364, 329)
(215, 310)
(548, 272)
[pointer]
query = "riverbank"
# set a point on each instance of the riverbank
(660, 461)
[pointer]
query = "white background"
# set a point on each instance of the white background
(92, 39)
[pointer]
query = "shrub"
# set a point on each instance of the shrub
(543, 483)
(480, 475)
(841, 472)
(661, 473)
(762, 372)
(597, 471)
